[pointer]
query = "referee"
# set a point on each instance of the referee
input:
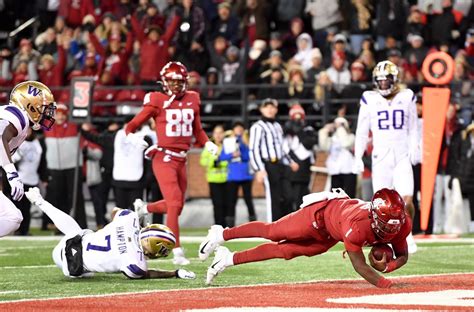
(270, 162)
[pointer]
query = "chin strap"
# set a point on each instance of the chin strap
(168, 102)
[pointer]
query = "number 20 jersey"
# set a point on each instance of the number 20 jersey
(176, 122)
(116, 247)
(393, 122)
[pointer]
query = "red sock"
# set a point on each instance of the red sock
(157, 207)
(262, 252)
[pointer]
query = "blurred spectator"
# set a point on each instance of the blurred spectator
(190, 47)
(105, 140)
(276, 88)
(128, 178)
(325, 18)
(24, 71)
(285, 11)
(153, 49)
(274, 62)
(124, 9)
(31, 163)
(390, 18)
(152, 18)
(359, 84)
(210, 92)
(300, 138)
(236, 152)
(217, 52)
(232, 73)
(92, 154)
(338, 73)
(5, 66)
(216, 175)
(416, 23)
(367, 58)
(465, 171)
(103, 30)
(59, 25)
(296, 87)
(276, 43)
(194, 81)
(304, 54)
(47, 12)
(255, 59)
(289, 48)
(417, 52)
(443, 26)
(51, 72)
(337, 139)
(65, 166)
(46, 42)
(338, 44)
(389, 45)
(26, 54)
(359, 14)
(255, 19)
(75, 10)
(316, 66)
(225, 25)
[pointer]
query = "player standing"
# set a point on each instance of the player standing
(324, 219)
(177, 118)
(121, 246)
(390, 114)
(31, 105)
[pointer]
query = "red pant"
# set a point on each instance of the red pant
(170, 173)
(293, 235)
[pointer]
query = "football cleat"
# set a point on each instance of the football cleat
(213, 240)
(140, 208)
(412, 247)
(219, 264)
(179, 258)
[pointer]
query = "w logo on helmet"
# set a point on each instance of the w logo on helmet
(33, 91)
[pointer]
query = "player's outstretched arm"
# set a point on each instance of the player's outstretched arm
(364, 270)
(180, 273)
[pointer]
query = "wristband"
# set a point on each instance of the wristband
(392, 265)
(9, 168)
(384, 283)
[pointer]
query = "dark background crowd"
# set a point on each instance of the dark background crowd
(317, 53)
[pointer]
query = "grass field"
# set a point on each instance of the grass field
(27, 270)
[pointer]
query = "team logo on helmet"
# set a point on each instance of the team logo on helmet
(385, 78)
(174, 77)
(37, 101)
(387, 211)
(157, 240)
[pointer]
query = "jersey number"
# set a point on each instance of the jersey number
(179, 122)
(98, 247)
(397, 120)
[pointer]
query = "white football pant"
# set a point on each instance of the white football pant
(10, 216)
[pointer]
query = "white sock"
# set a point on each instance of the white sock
(229, 259)
(64, 222)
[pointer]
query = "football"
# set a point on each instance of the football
(379, 249)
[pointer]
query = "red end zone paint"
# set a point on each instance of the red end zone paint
(284, 295)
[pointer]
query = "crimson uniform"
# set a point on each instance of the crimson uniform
(314, 229)
(176, 123)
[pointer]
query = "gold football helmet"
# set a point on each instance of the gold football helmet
(157, 240)
(385, 77)
(37, 100)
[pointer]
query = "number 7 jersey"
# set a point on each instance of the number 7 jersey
(393, 122)
(176, 122)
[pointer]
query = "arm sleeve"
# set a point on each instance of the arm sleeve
(171, 29)
(137, 29)
(146, 113)
(244, 152)
(362, 132)
(256, 161)
(95, 42)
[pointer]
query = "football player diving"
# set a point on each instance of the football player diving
(121, 246)
(176, 112)
(389, 112)
(31, 105)
(324, 219)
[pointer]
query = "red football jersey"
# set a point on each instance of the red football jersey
(176, 124)
(347, 220)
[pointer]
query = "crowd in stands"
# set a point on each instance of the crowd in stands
(304, 47)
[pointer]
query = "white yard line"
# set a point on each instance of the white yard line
(213, 287)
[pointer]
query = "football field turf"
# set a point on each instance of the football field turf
(27, 270)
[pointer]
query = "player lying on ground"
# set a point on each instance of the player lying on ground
(121, 246)
(324, 219)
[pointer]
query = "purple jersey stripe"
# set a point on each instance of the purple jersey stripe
(15, 111)
(364, 100)
(135, 269)
(169, 238)
(124, 212)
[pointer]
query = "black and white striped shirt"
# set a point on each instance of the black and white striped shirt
(266, 144)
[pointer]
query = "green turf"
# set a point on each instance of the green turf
(26, 267)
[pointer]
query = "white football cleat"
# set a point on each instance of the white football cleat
(179, 258)
(222, 260)
(213, 240)
(140, 207)
(412, 247)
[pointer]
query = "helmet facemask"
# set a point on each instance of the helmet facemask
(387, 211)
(385, 78)
(174, 77)
(157, 241)
(47, 118)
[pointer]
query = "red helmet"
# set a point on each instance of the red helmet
(388, 213)
(174, 76)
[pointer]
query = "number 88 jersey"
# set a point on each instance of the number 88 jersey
(176, 122)
(392, 121)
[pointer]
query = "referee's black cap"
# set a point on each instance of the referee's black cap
(269, 101)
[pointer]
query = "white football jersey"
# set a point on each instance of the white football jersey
(393, 122)
(116, 247)
(19, 119)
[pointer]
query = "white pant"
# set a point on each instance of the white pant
(392, 170)
(10, 216)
